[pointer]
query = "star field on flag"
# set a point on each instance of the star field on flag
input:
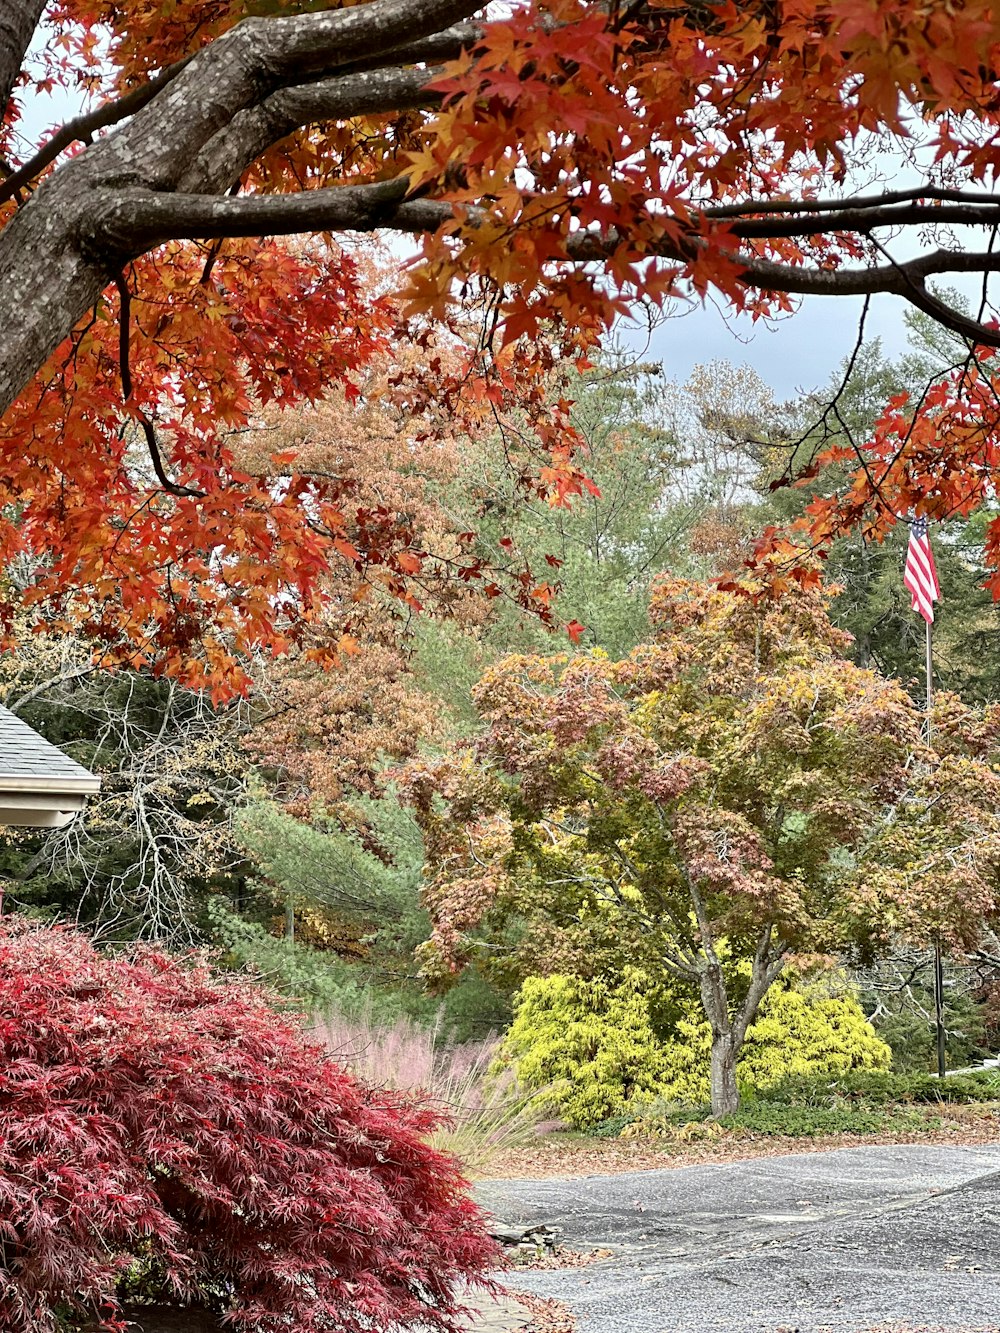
(920, 576)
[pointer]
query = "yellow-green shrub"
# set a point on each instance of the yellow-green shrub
(595, 1044)
(592, 1044)
(810, 1027)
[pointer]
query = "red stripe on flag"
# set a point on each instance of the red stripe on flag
(920, 575)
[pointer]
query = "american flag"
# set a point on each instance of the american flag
(920, 576)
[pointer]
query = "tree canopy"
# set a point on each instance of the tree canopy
(557, 163)
(729, 796)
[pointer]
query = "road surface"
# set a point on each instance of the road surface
(841, 1241)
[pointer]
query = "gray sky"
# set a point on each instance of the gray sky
(798, 353)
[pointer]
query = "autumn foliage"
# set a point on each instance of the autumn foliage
(558, 165)
(734, 794)
(167, 1140)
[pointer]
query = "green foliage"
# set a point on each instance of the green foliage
(882, 1088)
(311, 979)
(319, 980)
(815, 1122)
(610, 544)
(597, 557)
(367, 880)
(597, 1048)
(858, 1102)
(368, 875)
(904, 1018)
(591, 1044)
(809, 1028)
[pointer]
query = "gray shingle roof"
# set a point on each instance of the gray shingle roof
(30, 763)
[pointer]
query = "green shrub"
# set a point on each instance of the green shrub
(882, 1088)
(768, 1118)
(613, 1126)
(807, 1029)
(596, 1047)
(592, 1045)
(815, 1121)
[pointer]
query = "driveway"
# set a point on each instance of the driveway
(846, 1240)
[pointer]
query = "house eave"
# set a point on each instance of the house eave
(82, 786)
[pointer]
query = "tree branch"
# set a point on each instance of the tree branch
(225, 157)
(864, 219)
(906, 279)
(147, 427)
(769, 960)
(84, 127)
(355, 92)
(764, 207)
(255, 59)
(135, 220)
(132, 221)
(75, 673)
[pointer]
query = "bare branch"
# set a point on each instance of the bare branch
(148, 429)
(771, 207)
(864, 219)
(131, 221)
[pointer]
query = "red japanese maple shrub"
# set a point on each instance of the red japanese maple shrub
(167, 1140)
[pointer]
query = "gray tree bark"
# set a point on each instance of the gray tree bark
(725, 1049)
(729, 1029)
(55, 257)
(725, 1092)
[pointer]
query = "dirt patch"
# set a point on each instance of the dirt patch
(560, 1258)
(576, 1155)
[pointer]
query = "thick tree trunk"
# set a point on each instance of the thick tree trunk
(729, 1028)
(725, 1094)
(57, 254)
(46, 281)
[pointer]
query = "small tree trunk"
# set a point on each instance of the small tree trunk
(725, 1094)
(726, 1040)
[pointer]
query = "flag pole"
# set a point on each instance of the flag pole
(930, 676)
(938, 960)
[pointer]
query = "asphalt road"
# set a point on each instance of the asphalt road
(850, 1240)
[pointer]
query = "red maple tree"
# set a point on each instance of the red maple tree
(558, 162)
(167, 1141)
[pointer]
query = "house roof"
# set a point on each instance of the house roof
(30, 763)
